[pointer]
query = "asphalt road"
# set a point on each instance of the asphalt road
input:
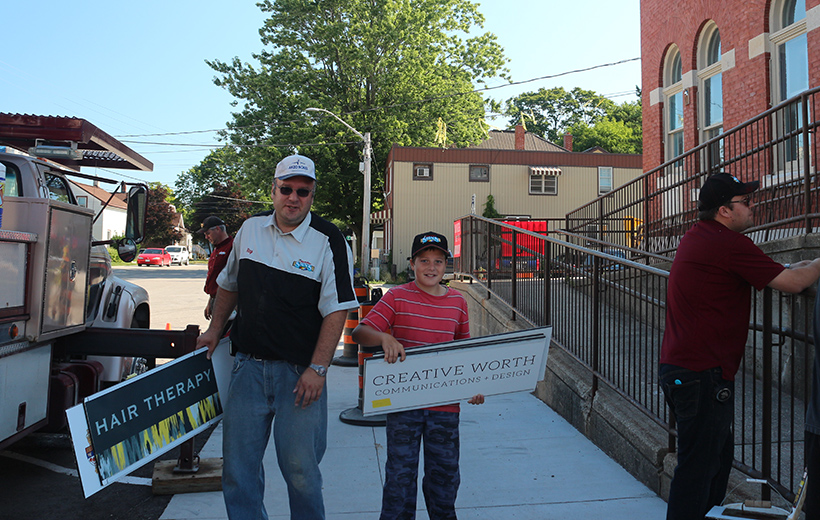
(35, 480)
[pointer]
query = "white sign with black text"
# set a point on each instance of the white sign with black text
(449, 372)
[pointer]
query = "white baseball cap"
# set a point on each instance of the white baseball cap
(294, 165)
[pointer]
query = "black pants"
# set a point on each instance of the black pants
(703, 405)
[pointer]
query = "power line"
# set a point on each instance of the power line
(202, 202)
(261, 145)
(424, 100)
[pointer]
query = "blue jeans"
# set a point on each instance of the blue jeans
(258, 391)
(704, 407)
(405, 431)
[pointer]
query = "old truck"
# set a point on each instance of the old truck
(56, 283)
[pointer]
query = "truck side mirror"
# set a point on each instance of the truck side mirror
(135, 218)
(127, 249)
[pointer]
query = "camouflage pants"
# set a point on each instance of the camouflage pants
(405, 431)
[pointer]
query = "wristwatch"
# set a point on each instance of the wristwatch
(321, 370)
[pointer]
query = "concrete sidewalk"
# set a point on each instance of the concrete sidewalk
(519, 460)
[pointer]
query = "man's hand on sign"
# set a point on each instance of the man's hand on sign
(208, 339)
(477, 399)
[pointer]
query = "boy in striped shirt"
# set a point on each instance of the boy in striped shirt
(418, 313)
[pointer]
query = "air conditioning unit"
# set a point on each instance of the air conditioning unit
(423, 172)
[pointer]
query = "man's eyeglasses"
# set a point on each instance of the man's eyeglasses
(287, 190)
(746, 201)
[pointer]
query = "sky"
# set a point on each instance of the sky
(137, 69)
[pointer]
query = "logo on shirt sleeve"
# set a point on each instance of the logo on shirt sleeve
(303, 265)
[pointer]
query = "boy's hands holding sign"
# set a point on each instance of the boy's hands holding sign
(370, 337)
(393, 349)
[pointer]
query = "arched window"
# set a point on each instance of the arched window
(673, 106)
(710, 82)
(790, 71)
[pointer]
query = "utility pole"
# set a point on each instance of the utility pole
(365, 254)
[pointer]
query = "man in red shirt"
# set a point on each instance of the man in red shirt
(215, 231)
(707, 316)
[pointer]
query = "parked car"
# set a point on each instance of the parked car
(154, 256)
(179, 254)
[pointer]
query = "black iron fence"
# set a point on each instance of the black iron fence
(777, 148)
(607, 306)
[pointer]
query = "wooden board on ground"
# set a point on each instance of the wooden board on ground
(166, 482)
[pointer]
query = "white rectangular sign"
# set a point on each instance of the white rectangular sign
(449, 372)
(128, 425)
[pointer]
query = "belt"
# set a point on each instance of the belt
(259, 357)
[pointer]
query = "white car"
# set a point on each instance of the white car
(179, 254)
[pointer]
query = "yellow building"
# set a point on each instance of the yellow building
(528, 177)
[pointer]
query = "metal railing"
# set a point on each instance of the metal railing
(607, 306)
(778, 148)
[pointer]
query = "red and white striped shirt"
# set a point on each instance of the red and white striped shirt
(416, 318)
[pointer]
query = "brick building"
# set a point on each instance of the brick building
(710, 65)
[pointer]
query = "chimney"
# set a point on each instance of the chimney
(519, 137)
(568, 141)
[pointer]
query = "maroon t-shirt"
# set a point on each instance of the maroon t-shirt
(216, 262)
(708, 299)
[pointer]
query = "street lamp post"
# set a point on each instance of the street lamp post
(365, 258)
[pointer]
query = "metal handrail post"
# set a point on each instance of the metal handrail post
(766, 434)
(546, 267)
(490, 262)
(514, 272)
(596, 324)
(804, 109)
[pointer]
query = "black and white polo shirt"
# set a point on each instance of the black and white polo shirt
(286, 284)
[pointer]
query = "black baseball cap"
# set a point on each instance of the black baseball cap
(210, 222)
(720, 188)
(429, 240)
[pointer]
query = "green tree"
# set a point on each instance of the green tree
(389, 67)
(159, 218)
(222, 185)
(593, 120)
(220, 166)
(619, 132)
(613, 136)
(227, 202)
(548, 112)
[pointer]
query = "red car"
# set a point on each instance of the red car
(154, 256)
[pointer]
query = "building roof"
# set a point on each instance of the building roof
(505, 140)
(118, 201)
(99, 149)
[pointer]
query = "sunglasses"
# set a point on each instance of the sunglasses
(287, 190)
(746, 201)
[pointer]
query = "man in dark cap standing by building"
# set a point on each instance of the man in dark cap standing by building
(707, 317)
(216, 233)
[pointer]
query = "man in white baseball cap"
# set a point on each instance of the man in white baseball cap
(290, 276)
(295, 165)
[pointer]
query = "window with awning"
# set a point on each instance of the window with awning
(544, 180)
(380, 217)
(545, 170)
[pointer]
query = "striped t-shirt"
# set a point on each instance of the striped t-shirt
(416, 318)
